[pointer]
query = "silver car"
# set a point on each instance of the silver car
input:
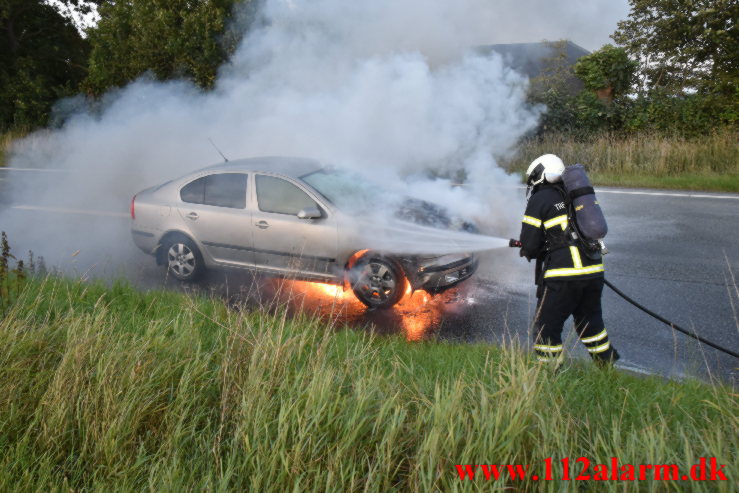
(293, 218)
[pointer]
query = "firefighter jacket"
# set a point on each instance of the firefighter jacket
(546, 236)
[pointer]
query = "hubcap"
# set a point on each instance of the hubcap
(181, 260)
(376, 282)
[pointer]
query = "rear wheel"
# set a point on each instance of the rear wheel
(183, 259)
(377, 281)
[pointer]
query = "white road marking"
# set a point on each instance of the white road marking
(689, 195)
(671, 194)
(40, 170)
(62, 210)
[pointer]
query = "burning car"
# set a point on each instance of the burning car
(296, 218)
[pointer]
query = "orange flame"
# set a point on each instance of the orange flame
(320, 290)
(415, 310)
(416, 316)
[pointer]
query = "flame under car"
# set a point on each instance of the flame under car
(298, 219)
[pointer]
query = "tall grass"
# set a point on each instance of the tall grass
(6, 140)
(612, 157)
(111, 389)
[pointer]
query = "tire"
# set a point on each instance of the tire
(182, 258)
(377, 281)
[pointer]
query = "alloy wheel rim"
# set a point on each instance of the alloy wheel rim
(377, 282)
(181, 260)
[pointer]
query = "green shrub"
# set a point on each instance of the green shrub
(607, 68)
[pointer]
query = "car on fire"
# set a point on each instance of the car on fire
(294, 218)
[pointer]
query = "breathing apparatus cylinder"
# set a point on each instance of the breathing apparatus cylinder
(589, 218)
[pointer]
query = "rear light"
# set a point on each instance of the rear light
(133, 207)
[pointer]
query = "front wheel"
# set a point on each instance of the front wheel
(183, 259)
(377, 282)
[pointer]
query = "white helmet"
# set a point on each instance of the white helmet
(548, 167)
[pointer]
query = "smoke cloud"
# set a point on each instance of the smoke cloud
(388, 88)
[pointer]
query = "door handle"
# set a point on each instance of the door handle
(193, 215)
(262, 225)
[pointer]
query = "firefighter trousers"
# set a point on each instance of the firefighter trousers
(581, 299)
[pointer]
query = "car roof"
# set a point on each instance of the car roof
(293, 167)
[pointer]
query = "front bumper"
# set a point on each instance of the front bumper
(439, 277)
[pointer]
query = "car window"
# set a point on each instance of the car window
(226, 190)
(350, 191)
(220, 190)
(194, 192)
(281, 196)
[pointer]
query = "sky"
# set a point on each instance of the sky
(588, 23)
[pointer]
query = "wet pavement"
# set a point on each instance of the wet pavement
(675, 254)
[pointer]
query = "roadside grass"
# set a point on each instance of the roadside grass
(113, 389)
(6, 140)
(711, 182)
(651, 161)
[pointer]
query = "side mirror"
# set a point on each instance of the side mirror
(309, 213)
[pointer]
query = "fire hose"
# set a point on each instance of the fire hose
(517, 244)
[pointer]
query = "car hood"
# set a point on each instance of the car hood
(400, 237)
(425, 213)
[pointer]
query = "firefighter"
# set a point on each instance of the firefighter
(569, 281)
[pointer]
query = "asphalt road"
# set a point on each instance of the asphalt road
(676, 253)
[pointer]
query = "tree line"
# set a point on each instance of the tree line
(45, 57)
(673, 69)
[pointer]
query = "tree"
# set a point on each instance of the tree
(168, 38)
(684, 44)
(570, 109)
(42, 58)
(608, 72)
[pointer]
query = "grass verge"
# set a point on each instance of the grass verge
(5, 141)
(710, 163)
(112, 389)
(712, 183)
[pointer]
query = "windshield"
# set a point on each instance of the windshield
(350, 191)
(355, 194)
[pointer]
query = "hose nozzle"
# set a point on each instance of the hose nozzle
(514, 243)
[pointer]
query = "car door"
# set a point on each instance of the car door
(285, 243)
(213, 208)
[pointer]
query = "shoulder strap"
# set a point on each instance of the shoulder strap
(563, 193)
(579, 192)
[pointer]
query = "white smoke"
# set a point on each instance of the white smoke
(389, 88)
